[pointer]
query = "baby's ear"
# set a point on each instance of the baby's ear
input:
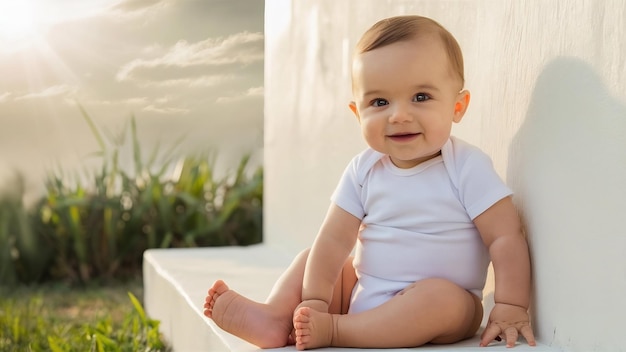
(355, 111)
(460, 107)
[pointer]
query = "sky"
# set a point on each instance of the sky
(190, 69)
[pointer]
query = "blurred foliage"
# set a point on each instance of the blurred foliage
(23, 257)
(33, 325)
(100, 227)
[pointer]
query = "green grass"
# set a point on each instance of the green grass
(59, 317)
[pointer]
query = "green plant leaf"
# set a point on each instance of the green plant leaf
(138, 308)
(53, 343)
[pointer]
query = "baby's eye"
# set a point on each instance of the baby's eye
(419, 97)
(379, 102)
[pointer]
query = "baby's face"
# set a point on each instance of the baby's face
(405, 95)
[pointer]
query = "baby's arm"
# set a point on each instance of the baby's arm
(330, 250)
(501, 230)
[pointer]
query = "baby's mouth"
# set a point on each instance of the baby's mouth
(403, 136)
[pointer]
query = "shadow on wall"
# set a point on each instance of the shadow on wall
(567, 165)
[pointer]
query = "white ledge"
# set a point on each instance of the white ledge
(176, 282)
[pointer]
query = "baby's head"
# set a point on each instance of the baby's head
(403, 28)
(407, 85)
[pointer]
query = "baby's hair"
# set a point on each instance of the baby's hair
(401, 28)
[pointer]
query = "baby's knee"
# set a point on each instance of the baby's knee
(444, 293)
(458, 307)
(304, 254)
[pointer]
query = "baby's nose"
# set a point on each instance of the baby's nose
(400, 114)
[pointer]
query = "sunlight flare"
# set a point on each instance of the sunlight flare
(17, 20)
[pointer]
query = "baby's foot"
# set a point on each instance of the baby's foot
(254, 322)
(313, 329)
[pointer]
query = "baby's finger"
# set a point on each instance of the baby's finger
(527, 332)
(491, 332)
(511, 336)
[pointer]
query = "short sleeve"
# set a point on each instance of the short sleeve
(480, 186)
(347, 195)
(471, 171)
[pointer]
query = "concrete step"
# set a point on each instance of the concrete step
(176, 282)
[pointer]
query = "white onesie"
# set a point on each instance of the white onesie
(417, 222)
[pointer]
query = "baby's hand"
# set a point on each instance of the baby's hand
(507, 322)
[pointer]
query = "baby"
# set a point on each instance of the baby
(425, 210)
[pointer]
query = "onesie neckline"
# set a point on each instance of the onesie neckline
(388, 164)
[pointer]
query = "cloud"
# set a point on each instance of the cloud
(202, 81)
(250, 93)
(165, 110)
(4, 96)
(117, 102)
(137, 7)
(186, 58)
(53, 91)
(156, 105)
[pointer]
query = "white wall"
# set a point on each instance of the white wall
(548, 83)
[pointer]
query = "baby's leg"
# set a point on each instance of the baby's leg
(269, 324)
(431, 310)
(260, 324)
